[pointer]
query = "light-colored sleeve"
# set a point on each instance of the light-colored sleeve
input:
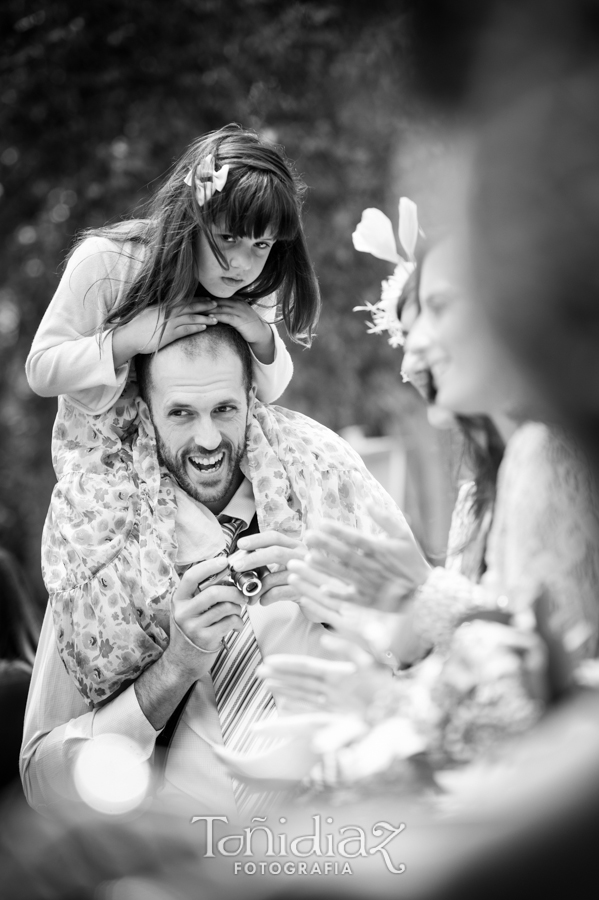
(69, 354)
(544, 534)
(58, 723)
(272, 379)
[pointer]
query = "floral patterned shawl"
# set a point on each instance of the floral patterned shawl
(109, 546)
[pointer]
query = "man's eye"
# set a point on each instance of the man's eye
(224, 409)
(179, 413)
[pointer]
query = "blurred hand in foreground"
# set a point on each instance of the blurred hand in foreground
(377, 571)
(346, 684)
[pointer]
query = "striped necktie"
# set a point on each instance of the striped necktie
(241, 697)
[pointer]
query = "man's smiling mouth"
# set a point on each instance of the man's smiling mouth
(207, 464)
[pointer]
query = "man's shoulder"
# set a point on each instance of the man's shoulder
(292, 431)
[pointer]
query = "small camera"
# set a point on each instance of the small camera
(247, 583)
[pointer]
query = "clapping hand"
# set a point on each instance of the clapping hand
(347, 684)
(344, 564)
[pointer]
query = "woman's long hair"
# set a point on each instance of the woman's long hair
(262, 191)
(483, 445)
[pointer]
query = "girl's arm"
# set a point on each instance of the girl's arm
(72, 354)
(69, 354)
(273, 378)
(272, 363)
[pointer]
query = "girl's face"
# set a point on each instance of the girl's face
(470, 374)
(246, 258)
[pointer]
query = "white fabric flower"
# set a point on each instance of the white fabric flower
(207, 179)
(374, 235)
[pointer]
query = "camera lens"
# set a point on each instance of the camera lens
(249, 583)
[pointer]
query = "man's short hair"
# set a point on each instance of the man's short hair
(195, 345)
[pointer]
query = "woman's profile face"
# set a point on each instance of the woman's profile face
(469, 371)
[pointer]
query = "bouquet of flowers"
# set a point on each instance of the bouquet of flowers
(358, 730)
(451, 708)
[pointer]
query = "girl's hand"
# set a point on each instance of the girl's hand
(150, 330)
(266, 549)
(250, 325)
(372, 571)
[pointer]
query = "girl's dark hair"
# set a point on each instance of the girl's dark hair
(19, 617)
(262, 190)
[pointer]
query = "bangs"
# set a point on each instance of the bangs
(253, 202)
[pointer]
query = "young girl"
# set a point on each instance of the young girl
(223, 234)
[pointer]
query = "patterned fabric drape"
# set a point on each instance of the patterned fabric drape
(109, 547)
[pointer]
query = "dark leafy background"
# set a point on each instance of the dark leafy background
(96, 101)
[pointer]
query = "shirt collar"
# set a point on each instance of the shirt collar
(242, 504)
(198, 532)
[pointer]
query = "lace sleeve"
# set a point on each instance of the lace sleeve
(439, 604)
(544, 534)
(448, 593)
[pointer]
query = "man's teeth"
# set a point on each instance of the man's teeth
(207, 462)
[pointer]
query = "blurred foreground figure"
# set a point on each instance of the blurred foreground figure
(529, 84)
(535, 221)
(524, 78)
(86, 855)
(19, 630)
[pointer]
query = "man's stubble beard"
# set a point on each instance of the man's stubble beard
(179, 472)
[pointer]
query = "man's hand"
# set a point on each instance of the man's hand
(267, 549)
(201, 619)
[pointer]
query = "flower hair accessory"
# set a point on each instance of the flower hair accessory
(207, 179)
(374, 235)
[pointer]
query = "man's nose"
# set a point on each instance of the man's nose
(206, 435)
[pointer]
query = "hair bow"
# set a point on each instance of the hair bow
(207, 179)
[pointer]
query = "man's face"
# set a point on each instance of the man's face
(201, 414)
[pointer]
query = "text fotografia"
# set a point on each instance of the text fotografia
(305, 854)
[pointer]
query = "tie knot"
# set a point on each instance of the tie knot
(231, 527)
